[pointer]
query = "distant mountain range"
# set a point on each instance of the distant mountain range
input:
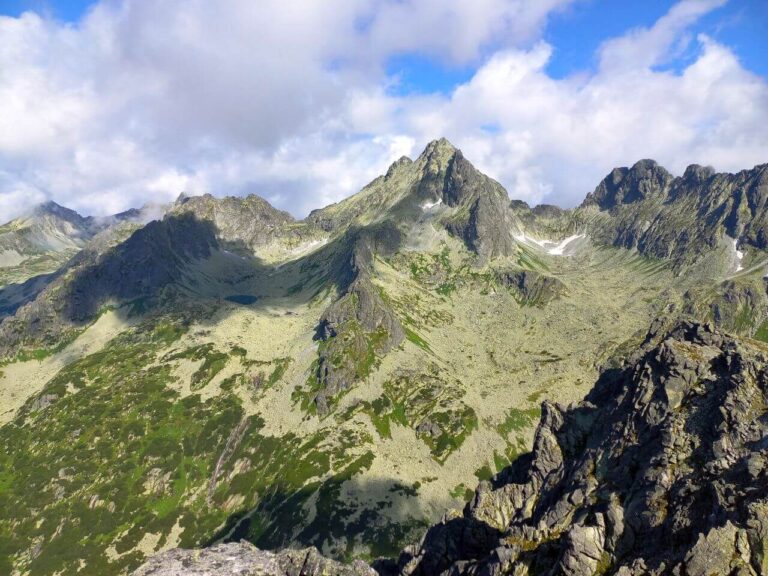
(227, 371)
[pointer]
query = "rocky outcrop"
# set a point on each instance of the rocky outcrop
(531, 287)
(644, 181)
(360, 326)
(248, 223)
(660, 470)
(482, 217)
(243, 559)
(739, 305)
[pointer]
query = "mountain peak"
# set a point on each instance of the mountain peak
(697, 173)
(50, 207)
(402, 161)
(645, 164)
(440, 148)
(59, 212)
(624, 185)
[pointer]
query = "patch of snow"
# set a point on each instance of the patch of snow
(554, 248)
(531, 240)
(739, 255)
(558, 250)
(427, 206)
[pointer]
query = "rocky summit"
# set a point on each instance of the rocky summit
(661, 469)
(216, 387)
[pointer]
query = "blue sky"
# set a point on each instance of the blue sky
(578, 32)
(65, 10)
(108, 105)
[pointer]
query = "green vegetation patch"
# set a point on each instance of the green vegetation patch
(213, 363)
(438, 272)
(115, 453)
(428, 404)
(281, 365)
(518, 420)
(762, 332)
(462, 492)
(416, 339)
(484, 473)
(343, 359)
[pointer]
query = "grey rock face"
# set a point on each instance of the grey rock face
(485, 221)
(660, 470)
(532, 287)
(249, 221)
(243, 559)
(360, 325)
(645, 180)
(727, 303)
(548, 211)
(680, 218)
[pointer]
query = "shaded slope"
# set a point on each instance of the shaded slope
(660, 470)
(150, 260)
(359, 327)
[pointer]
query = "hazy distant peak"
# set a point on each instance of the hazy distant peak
(51, 208)
(698, 173)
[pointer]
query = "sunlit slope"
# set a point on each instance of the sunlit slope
(187, 422)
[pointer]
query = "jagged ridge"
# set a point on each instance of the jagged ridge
(660, 470)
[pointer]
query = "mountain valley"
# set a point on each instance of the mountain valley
(228, 372)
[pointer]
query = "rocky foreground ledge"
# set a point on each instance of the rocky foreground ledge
(662, 469)
(244, 559)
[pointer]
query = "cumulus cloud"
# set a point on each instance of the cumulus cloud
(140, 101)
(646, 47)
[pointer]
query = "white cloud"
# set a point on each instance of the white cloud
(289, 99)
(142, 97)
(647, 47)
